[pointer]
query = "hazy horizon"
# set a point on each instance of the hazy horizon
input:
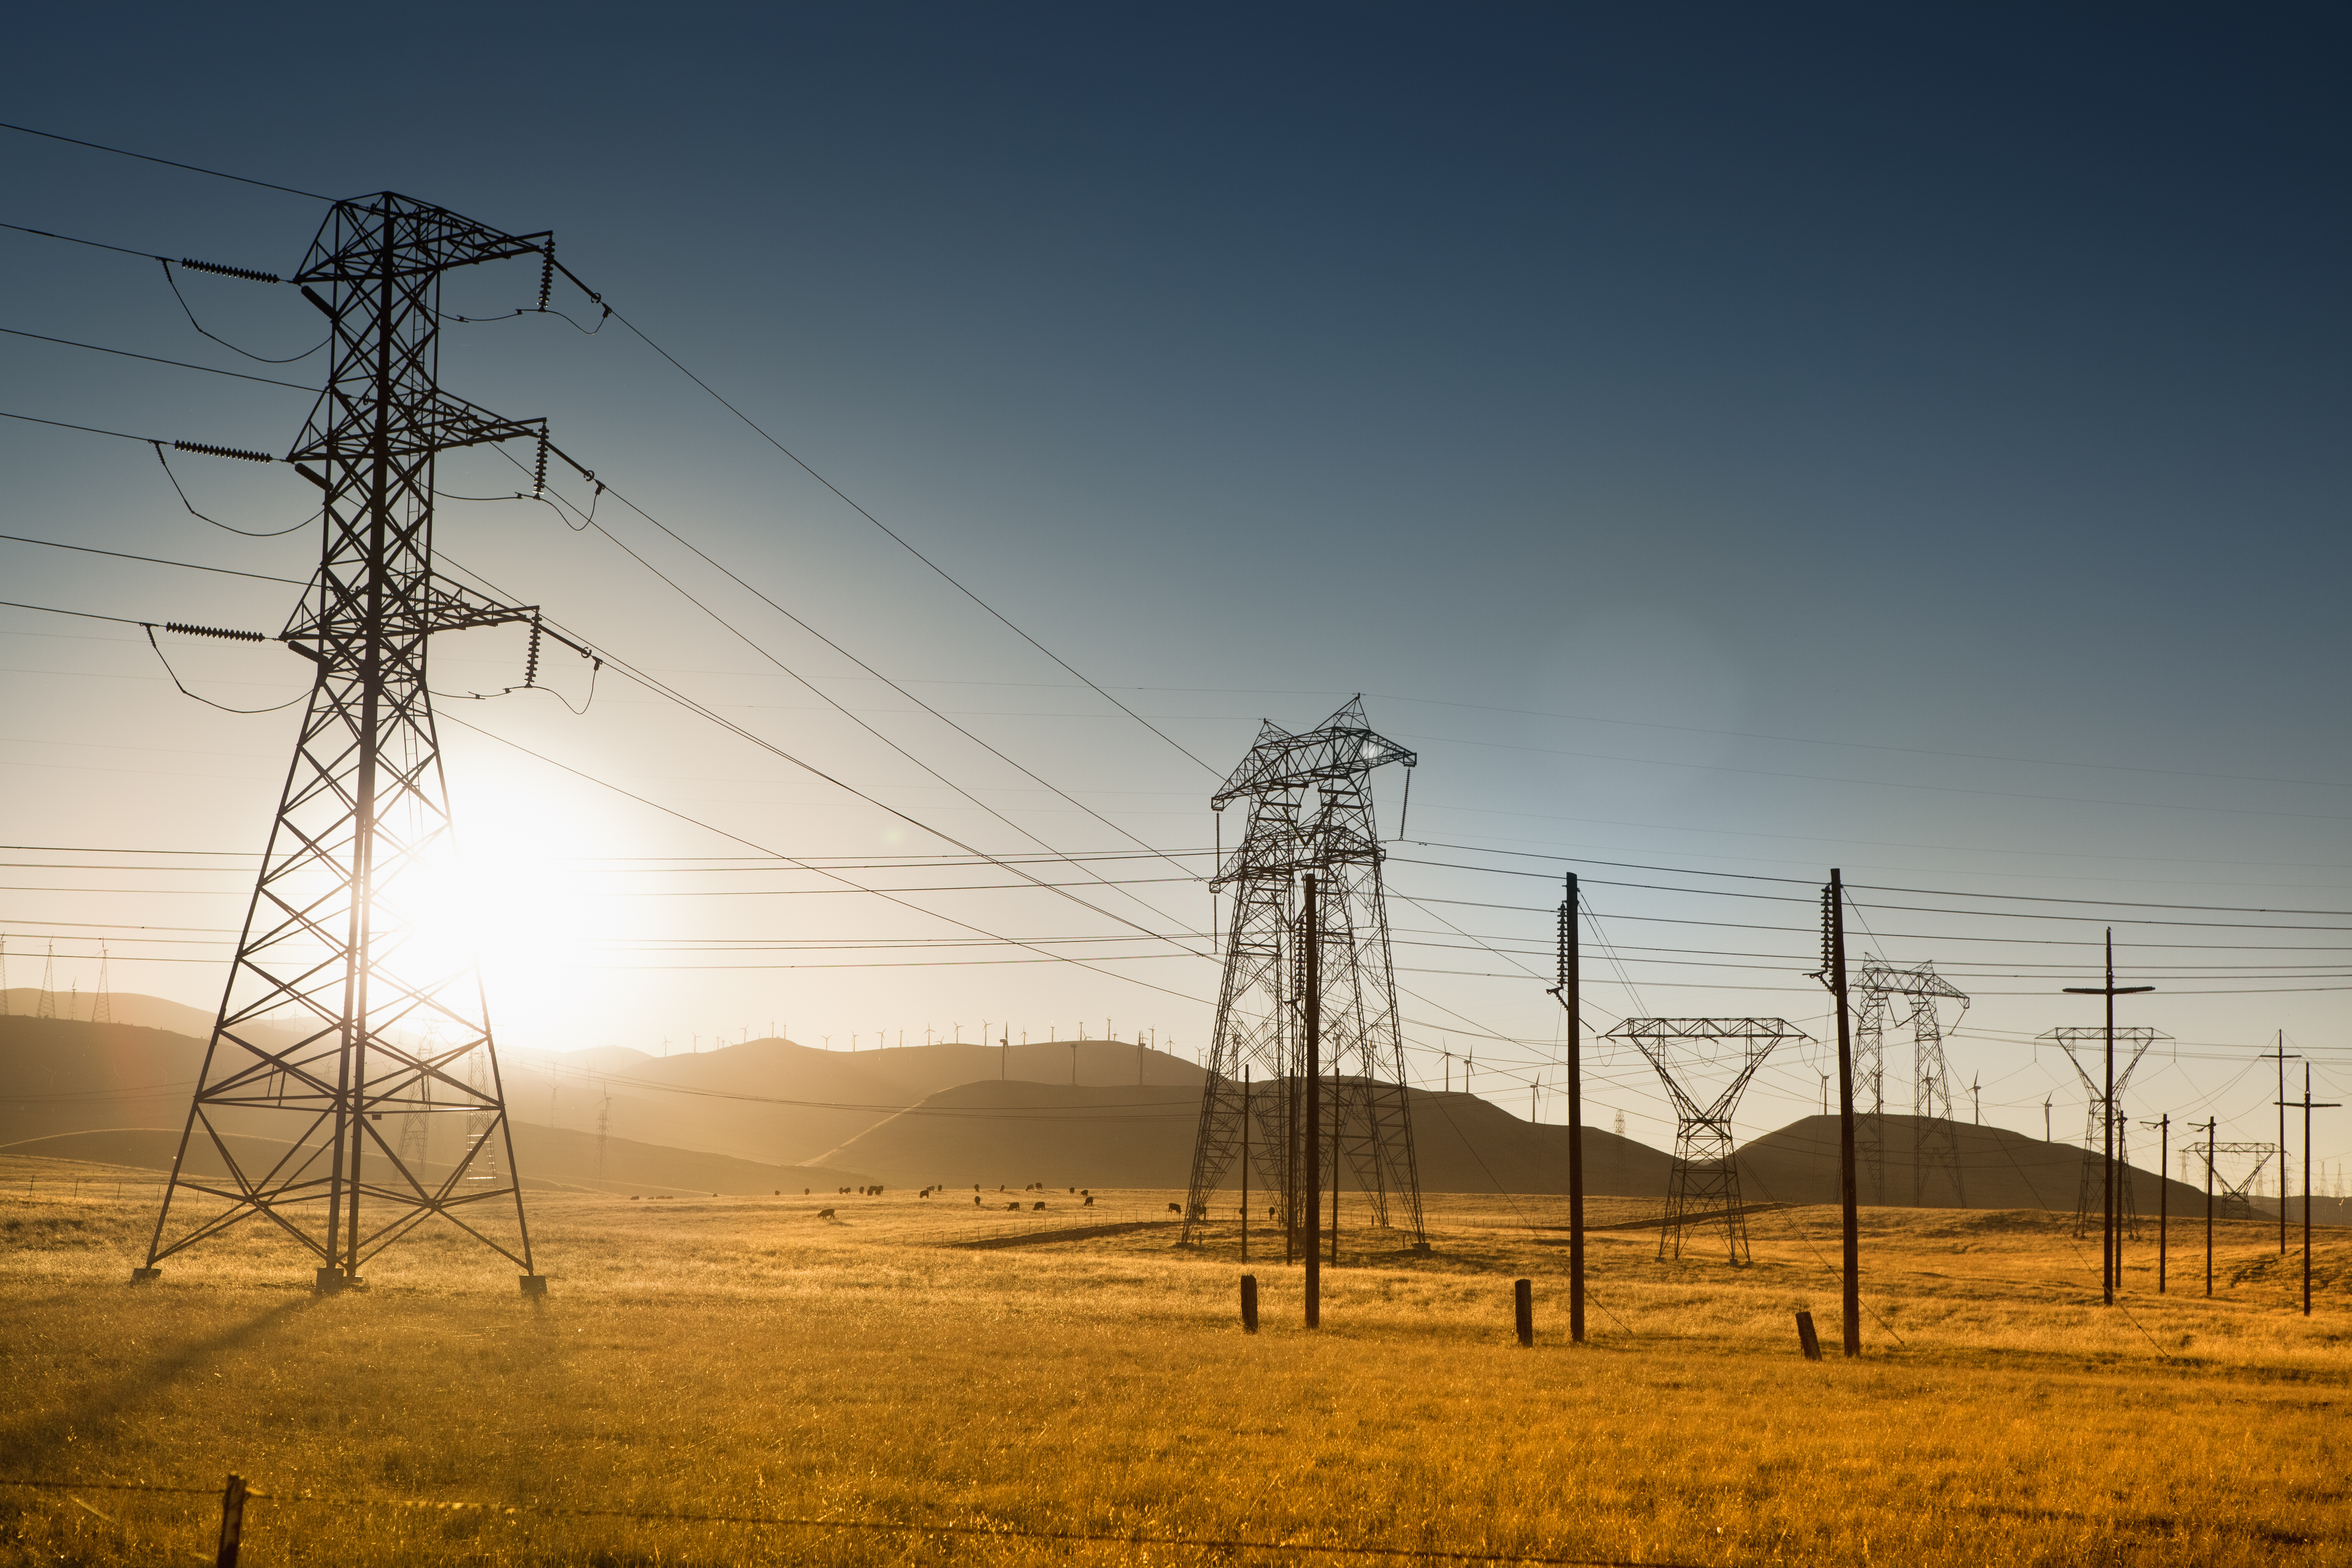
(1722, 448)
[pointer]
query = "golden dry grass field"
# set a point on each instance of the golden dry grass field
(745, 1358)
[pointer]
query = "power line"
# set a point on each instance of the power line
(821, 636)
(1815, 741)
(1872, 784)
(152, 559)
(85, 614)
(168, 162)
(76, 239)
(153, 359)
(723, 833)
(703, 711)
(827, 699)
(897, 538)
(88, 429)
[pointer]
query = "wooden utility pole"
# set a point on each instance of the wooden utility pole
(2110, 1251)
(1312, 1166)
(2211, 1123)
(1245, 1133)
(2308, 1107)
(1833, 966)
(2281, 1056)
(1571, 991)
(2163, 1190)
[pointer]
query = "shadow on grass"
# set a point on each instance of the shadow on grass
(28, 1444)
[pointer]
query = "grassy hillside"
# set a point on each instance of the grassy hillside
(1013, 1133)
(550, 1160)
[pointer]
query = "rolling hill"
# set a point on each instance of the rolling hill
(770, 1115)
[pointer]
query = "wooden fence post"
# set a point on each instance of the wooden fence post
(1523, 1302)
(1249, 1303)
(232, 1520)
(1806, 1338)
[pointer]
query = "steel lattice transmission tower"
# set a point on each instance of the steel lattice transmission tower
(1367, 1128)
(2073, 1040)
(2238, 1196)
(348, 1001)
(1704, 1183)
(1881, 991)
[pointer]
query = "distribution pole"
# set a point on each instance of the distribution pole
(1312, 1164)
(2110, 1260)
(2211, 1123)
(1245, 1133)
(1570, 992)
(2281, 1056)
(1833, 938)
(2306, 1102)
(2163, 1192)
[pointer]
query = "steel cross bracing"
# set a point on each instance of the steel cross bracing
(1310, 809)
(1704, 1183)
(350, 1000)
(1877, 988)
(2238, 1196)
(2073, 1040)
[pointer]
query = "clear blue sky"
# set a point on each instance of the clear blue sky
(1737, 440)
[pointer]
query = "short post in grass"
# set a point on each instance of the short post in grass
(1523, 1307)
(1249, 1303)
(1807, 1339)
(232, 1530)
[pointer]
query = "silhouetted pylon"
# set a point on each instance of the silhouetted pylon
(353, 997)
(1366, 1127)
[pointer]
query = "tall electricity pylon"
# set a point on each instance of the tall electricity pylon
(1935, 1140)
(349, 1001)
(2237, 1200)
(2072, 1040)
(1704, 1183)
(1367, 1128)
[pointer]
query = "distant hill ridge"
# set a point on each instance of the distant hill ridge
(963, 1113)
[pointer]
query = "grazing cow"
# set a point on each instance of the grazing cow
(975, 1200)
(1014, 1207)
(1090, 1202)
(824, 1213)
(1037, 1205)
(1175, 1208)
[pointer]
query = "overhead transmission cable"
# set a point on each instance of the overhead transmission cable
(842, 708)
(589, 521)
(702, 710)
(817, 870)
(897, 538)
(168, 162)
(156, 359)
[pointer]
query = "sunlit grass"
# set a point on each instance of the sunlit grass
(742, 1356)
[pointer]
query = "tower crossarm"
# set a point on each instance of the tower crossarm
(2211, 1154)
(1756, 1038)
(2073, 1039)
(352, 246)
(435, 423)
(442, 606)
(1342, 750)
(1876, 974)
